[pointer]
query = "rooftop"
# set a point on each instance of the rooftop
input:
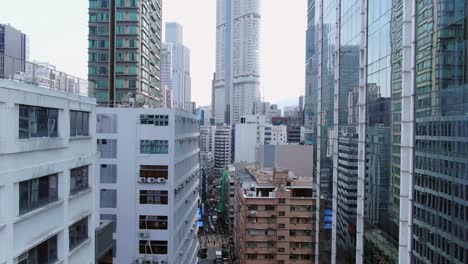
(43, 76)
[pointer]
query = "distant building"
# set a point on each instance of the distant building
(293, 157)
(204, 114)
(14, 51)
(48, 175)
(181, 83)
(152, 155)
(292, 111)
(237, 78)
(166, 97)
(222, 151)
(273, 217)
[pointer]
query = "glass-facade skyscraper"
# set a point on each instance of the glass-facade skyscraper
(124, 52)
(387, 108)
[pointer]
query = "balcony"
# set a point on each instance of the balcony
(44, 76)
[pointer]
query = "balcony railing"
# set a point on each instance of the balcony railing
(24, 71)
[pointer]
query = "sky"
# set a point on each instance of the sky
(58, 31)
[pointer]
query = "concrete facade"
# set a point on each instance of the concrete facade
(289, 156)
(41, 199)
(152, 190)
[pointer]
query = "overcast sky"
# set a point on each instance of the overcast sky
(58, 34)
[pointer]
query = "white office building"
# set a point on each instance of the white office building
(48, 175)
(222, 141)
(237, 77)
(176, 58)
(149, 182)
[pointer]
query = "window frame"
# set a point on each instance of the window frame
(84, 179)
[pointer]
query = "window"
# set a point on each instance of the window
(108, 198)
(281, 238)
(252, 232)
(154, 171)
(79, 123)
(157, 120)
(37, 122)
(106, 123)
(78, 232)
(282, 201)
(269, 207)
(108, 173)
(252, 207)
(269, 256)
(107, 148)
(153, 197)
(153, 247)
(46, 252)
(281, 226)
(251, 256)
(78, 179)
(153, 222)
(281, 213)
(153, 146)
(37, 192)
(280, 249)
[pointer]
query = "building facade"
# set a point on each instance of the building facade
(237, 77)
(124, 52)
(401, 64)
(273, 217)
(151, 155)
(14, 51)
(179, 64)
(48, 175)
(222, 148)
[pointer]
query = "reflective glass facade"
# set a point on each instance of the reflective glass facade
(440, 213)
(391, 127)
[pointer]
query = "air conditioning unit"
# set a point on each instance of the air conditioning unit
(138, 261)
(148, 261)
(144, 234)
(187, 180)
(253, 212)
(143, 179)
(161, 180)
(151, 180)
(192, 229)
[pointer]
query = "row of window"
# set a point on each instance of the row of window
(46, 252)
(157, 120)
(36, 193)
(42, 122)
(271, 256)
(154, 146)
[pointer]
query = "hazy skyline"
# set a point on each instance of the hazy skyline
(58, 30)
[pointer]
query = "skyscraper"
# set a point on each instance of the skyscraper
(124, 52)
(401, 66)
(14, 51)
(237, 77)
(178, 62)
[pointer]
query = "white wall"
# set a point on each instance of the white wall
(182, 135)
(25, 159)
(245, 142)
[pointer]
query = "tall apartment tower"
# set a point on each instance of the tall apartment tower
(14, 51)
(124, 52)
(237, 77)
(177, 57)
(395, 72)
(149, 182)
